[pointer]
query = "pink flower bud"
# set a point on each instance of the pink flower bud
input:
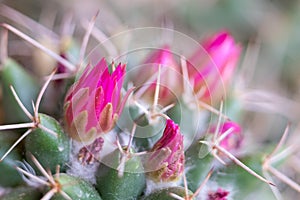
(215, 70)
(234, 139)
(220, 194)
(93, 104)
(166, 160)
(170, 71)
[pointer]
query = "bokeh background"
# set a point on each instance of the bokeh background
(269, 32)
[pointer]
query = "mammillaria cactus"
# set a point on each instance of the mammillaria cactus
(140, 115)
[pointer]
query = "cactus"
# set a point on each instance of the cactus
(189, 137)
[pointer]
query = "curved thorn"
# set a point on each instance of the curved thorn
(212, 109)
(52, 54)
(245, 167)
(176, 196)
(131, 137)
(203, 183)
(275, 190)
(281, 141)
(142, 107)
(15, 144)
(3, 46)
(185, 184)
(218, 157)
(102, 38)
(121, 106)
(60, 76)
(36, 178)
(39, 98)
(157, 87)
(284, 153)
(185, 74)
(20, 103)
(284, 178)
(48, 130)
(16, 126)
(49, 194)
(160, 115)
(42, 170)
(57, 171)
(65, 195)
(25, 21)
(168, 107)
(86, 38)
(141, 90)
(219, 122)
(224, 135)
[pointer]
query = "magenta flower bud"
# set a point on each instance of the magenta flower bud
(219, 194)
(170, 71)
(93, 104)
(167, 156)
(234, 139)
(214, 71)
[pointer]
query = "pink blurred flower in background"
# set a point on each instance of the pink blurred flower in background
(167, 158)
(170, 86)
(93, 104)
(212, 67)
(234, 138)
(219, 194)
